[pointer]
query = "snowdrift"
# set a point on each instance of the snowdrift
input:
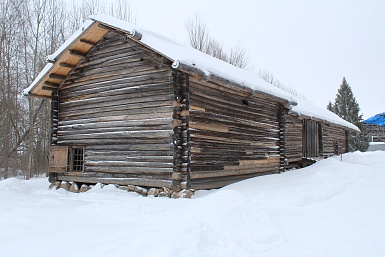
(333, 208)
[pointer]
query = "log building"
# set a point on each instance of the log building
(131, 107)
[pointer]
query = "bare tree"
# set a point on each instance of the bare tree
(270, 78)
(29, 31)
(238, 57)
(200, 39)
(197, 33)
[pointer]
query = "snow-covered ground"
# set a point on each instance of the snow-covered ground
(333, 208)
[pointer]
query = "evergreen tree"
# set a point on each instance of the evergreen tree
(347, 107)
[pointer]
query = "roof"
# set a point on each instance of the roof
(312, 111)
(70, 54)
(378, 119)
(65, 59)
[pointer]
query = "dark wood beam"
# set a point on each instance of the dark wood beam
(48, 88)
(85, 41)
(67, 65)
(56, 76)
(77, 53)
(51, 84)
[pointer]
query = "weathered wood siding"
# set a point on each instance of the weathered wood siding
(293, 137)
(310, 141)
(233, 136)
(118, 104)
(332, 135)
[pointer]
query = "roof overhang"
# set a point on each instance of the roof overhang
(65, 59)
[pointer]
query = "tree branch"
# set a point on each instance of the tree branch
(26, 132)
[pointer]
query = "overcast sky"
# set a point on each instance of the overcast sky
(308, 45)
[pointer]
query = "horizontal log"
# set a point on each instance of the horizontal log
(124, 69)
(116, 82)
(147, 134)
(107, 88)
(213, 183)
(126, 154)
(221, 97)
(109, 100)
(119, 181)
(117, 118)
(96, 129)
(117, 124)
(111, 111)
(197, 116)
(127, 164)
(165, 158)
(123, 73)
(232, 138)
(209, 126)
(129, 170)
(118, 141)
(220, 173)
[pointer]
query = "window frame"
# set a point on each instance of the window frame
(76, 159)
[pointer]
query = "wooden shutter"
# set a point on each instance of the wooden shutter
(58, 159)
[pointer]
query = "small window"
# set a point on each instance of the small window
(245, 102)
(76, 161)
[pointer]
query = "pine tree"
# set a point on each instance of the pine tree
(347, 107)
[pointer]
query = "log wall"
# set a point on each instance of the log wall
(233, 135)
(294, 130)
(117, 104)
(332, 135)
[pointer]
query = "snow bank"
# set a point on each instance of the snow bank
(333, 208)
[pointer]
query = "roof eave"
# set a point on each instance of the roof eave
(65, 59)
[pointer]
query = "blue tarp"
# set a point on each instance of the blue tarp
(378, 119)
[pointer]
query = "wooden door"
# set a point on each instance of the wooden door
(310, 142)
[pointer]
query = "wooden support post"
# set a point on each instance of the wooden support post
(321, 148)
(181, 136)
(346, 141)
(54, 116)
(281, 124)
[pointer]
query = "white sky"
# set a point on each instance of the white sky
(308, 45)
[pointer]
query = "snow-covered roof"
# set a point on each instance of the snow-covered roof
(179, 54)
(310, 110)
